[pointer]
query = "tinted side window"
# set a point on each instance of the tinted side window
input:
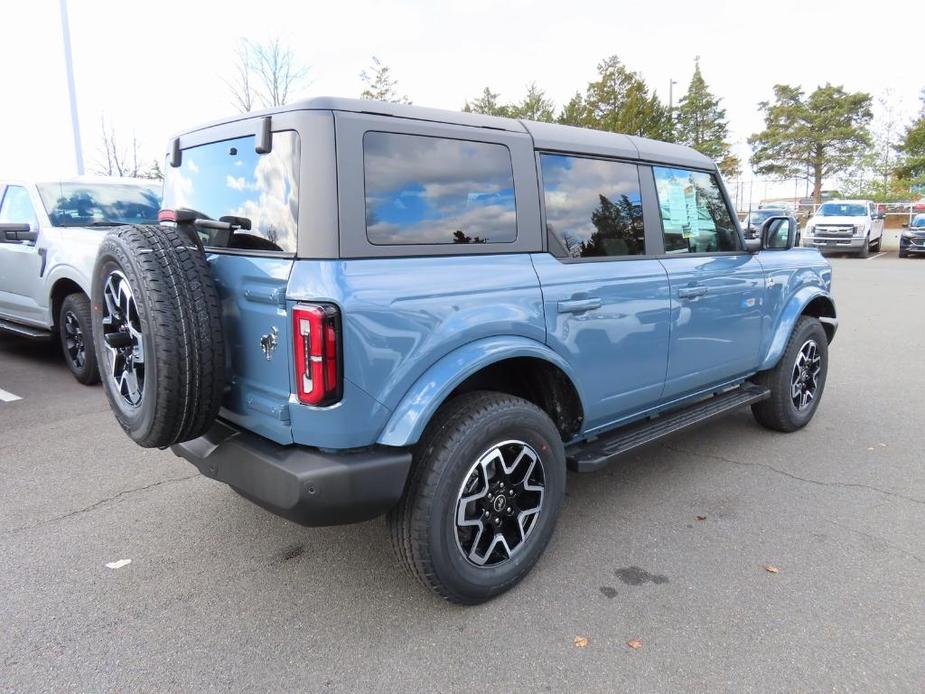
(17, 207)
(695, 218)
(230, 178)
(431, 190)
(593, 207)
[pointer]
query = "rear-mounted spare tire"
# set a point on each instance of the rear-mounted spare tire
(157, 332)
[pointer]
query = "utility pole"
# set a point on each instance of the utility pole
(671, 84)
(72, 91)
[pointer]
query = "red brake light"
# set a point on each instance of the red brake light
(316, 335)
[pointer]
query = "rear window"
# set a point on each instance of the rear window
(100, 204)
(229, 178)
(432, 190)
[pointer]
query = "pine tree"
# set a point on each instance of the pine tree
(701, 122)
(487, 104)
(573, 113)
(535, 106)
(912, 149)
(380, 86)
(620, 101)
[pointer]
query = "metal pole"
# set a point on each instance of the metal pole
(69, 67)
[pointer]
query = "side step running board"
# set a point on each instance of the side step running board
(24, 330)
(595, 454)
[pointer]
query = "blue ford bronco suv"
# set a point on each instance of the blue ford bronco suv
(352, 308)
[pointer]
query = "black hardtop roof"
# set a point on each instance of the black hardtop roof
(548, 136)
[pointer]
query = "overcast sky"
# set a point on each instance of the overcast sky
(156, 67)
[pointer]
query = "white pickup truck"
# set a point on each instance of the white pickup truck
(49, 236)
(853, 226)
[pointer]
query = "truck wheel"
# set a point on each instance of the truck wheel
(877, 244)
(797, 382)
(76, 330)
(483, 497)
(158, 334)
(865, 249)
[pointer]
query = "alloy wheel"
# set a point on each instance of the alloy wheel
(499, 503)
(74, 340)
(122, 338)
(804, 379)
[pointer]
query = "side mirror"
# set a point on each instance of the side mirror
(16, 233)
(779, 233)
(905, 225)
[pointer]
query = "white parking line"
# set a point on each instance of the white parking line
(7, 396)
(871, 257)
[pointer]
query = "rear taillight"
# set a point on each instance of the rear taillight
(316, 333)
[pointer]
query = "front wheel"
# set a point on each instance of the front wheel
(75, 328)
(865, 249)
(797, 382)
(483, 497)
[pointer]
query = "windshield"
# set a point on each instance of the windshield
(763, 215)
(919, 221)
(842, 209)
(100, 204)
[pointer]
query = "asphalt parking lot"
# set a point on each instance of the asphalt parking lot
(221, 595)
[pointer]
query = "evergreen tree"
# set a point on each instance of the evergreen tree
(573, 113)
(487, 104)
(823, 133)
(380, 86)
(620, 101)
(534, 106)
(701, 122)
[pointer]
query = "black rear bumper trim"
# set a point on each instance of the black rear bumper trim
(304, 485)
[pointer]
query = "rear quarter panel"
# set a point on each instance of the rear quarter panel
(401, 316)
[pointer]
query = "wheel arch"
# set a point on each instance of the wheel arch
(61, 289)
(509, 364)
(808, 302)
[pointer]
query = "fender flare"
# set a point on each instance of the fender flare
(58, 273)
(421, 401)
(787, 320)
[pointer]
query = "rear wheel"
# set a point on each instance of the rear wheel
(75, 328)
(158, 334)
(797, 382)
(877, 244)
(483, 497)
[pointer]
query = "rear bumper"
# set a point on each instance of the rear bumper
(304, 485)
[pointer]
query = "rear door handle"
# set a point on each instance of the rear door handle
(580, 305)
(692, 292)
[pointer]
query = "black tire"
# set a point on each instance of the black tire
(877, 244)
(780, 412)
(865, 249)
(423, 525)
(176, 393)
(903, 255)
(75, 328)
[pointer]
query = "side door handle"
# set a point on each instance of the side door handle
(580, 305)
(692, 292)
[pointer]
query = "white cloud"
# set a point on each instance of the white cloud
(191, 165)
(235, 183)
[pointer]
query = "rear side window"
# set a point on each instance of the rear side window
(695, 218)
(432, 190)
(593, 207)
(229, 178)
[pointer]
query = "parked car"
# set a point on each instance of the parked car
(912, 240)
(845, 225)
(756, 218)
(385, 309)
(49, 235)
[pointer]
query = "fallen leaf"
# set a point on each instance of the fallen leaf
(771, 569)
(580, 642)
(701, 517)
(118, 564)
(634, 643)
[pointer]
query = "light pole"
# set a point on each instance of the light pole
(671, 84)
(69, 67)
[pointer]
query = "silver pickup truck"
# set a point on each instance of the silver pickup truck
(49, 235)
